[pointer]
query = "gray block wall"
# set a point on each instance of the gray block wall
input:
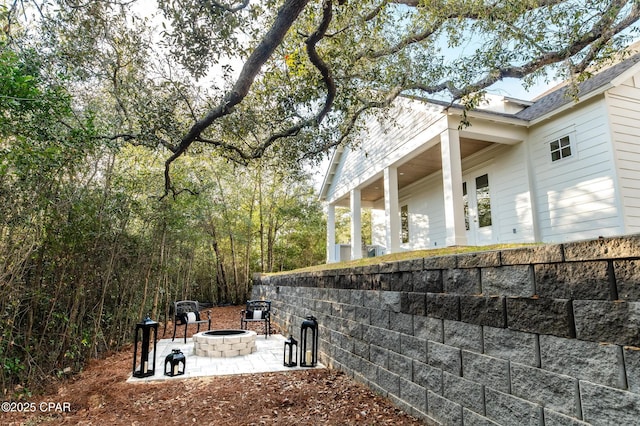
(542, 335)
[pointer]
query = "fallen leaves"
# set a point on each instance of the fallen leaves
(101, 395)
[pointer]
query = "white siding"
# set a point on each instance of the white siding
(510, 200)
(510, 196)
(575, 197)
(624, 113)
(425, 201)
(386, 143)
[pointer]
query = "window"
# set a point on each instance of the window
(404, 223)
(560, 148)
(465, 200)
(483, 200)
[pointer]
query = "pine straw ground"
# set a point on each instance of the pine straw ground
(100, 395)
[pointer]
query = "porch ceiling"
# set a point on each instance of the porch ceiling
(420, 166)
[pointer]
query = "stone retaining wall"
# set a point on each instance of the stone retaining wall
(543, 335)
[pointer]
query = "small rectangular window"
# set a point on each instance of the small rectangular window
(465, 200)
(483, 200)
(404, 223)
(560, 148)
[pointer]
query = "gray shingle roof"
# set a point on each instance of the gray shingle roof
(562, 96)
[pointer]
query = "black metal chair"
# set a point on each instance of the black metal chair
(188, 312)
(257, 311)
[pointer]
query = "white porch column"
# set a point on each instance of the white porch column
(391, 209)
(331, 233)
(452, 185)
(356, 224)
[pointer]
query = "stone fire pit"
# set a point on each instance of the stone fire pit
(224, 343)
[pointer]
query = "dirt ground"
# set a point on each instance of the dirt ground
(100, 395)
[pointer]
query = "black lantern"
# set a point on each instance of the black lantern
(174, 363)
(309, 345)
(290, 356)
(145, 326)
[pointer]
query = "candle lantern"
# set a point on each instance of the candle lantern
(290, 352)
(143, 336)
(174, 363)
(309, 342)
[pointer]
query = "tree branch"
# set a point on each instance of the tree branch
(317, 61)
(285, 18)
(600, 33)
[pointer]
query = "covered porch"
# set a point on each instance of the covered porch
(442, 157)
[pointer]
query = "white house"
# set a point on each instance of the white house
(550, 170)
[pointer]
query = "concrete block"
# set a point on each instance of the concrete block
(443, 306)
(469, 418)
(389, 381)
(428, 328)
(465, 392)
(379, 318)
(542, 316)
(371, 299)
(627, 273)
(362, 315)
(551, 418)
(548, 253)
(480, 310)
(352, 329)
(613, 322)
(444, 357)
(482, 259)
(414, 303)
(603, 248)
(391, 301)
(463, 335)
(575, 280)
(427, 376)
(440, 262)
(343, 296)
(369, 370)
(402, 323)
(507, 409)
(415, 395)
(486, 370)
(389, 267)
(390, 282)
(341, 340)
(361, 349)
(413, 347)
(597, 363)
(516, 346)
(447, 412)
(400, 365)
(632, 367)
(554, 391)
(604, 405)
(427, 281)
(516, 280)
(386, 338)
(355, 297)
(461, 281)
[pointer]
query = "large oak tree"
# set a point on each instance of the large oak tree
(312, 70)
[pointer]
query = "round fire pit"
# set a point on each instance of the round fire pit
(224, 343)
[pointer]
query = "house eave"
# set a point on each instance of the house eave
(487, 115)
(331, 171)
(569, 105)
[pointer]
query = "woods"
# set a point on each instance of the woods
(154, 151)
